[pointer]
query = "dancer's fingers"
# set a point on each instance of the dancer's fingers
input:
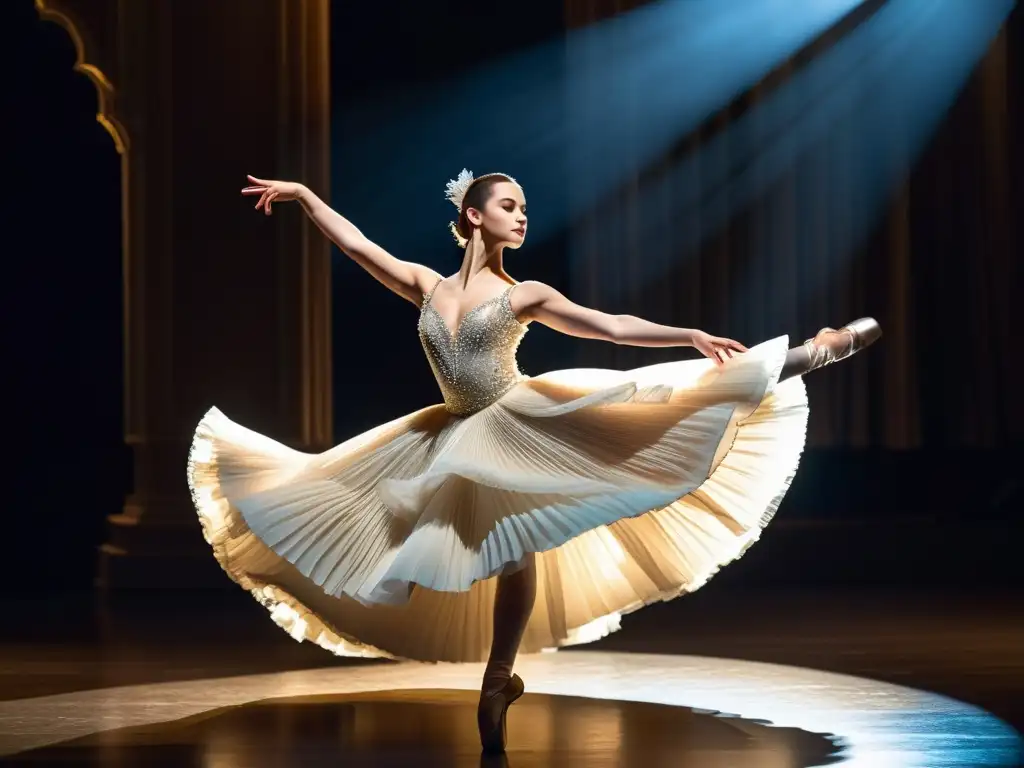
(733, 345)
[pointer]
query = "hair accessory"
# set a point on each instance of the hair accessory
(455, 190)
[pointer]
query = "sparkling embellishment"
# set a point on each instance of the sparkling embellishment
(455, 189)
(477, 365)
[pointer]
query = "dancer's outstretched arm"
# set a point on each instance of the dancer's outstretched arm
(405, 278)
(540, 302)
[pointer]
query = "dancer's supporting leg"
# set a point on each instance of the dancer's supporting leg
(513, 604)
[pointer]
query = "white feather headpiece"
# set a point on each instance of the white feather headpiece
(455, 190)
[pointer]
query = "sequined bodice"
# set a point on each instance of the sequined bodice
(477, 365)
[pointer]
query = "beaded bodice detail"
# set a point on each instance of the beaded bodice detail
(477, 364)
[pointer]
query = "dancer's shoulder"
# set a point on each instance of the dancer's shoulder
(533, 289)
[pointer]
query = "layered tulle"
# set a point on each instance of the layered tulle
(631, 487)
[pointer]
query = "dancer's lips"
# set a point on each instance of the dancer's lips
(521, 231)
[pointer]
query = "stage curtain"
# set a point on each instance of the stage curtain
(938, 267)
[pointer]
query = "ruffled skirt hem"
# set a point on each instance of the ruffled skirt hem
(630, 487)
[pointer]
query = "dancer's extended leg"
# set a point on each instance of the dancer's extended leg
(830, 346)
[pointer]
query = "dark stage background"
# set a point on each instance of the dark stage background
(935, 498)
(374, 330)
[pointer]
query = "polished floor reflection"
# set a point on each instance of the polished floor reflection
(683, 711)
(436, 728)
(916, 680)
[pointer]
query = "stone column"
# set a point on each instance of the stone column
(223, 306)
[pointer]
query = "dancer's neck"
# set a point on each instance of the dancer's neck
(479, 258)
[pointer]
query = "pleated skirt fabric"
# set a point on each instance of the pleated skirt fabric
(630, 486)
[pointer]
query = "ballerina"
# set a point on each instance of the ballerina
(523, 513)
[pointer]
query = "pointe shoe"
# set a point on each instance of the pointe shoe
(860, 334)
(490, 715)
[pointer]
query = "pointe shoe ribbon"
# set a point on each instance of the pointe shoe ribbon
(491, 714)
(862, 334)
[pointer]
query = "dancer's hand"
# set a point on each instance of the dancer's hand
(717, 348)
(272, 191)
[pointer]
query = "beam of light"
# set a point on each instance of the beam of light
(525, 113)
(672, 66)
(863, 113)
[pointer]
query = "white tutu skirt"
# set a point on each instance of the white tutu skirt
(630, 487)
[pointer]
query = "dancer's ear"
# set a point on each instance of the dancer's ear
(475, 217)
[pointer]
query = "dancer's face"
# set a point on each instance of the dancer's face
(503, 219)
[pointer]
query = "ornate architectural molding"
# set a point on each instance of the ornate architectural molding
(189, 121)
(64, 14)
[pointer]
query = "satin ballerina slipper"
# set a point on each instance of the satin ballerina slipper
(858, 335)
(490, 715)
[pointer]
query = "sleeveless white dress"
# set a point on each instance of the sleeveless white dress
(631, 487)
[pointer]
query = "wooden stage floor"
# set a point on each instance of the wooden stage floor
(720, 678)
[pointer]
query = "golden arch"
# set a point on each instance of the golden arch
(104, 89)
(105, 116)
